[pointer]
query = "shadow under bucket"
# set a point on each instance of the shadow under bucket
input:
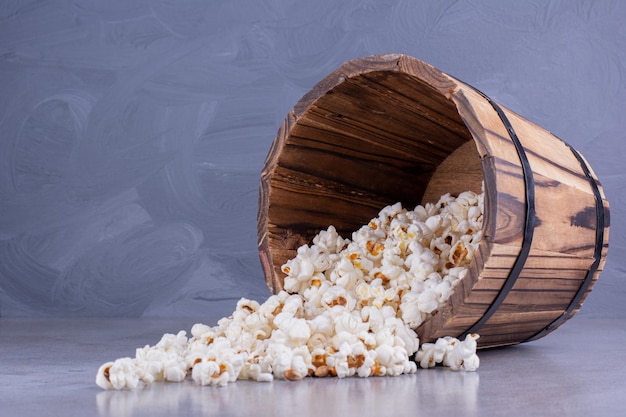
(391, 128)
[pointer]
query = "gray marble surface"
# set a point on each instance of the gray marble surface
(48, 367)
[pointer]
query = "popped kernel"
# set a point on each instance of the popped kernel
(349, 307)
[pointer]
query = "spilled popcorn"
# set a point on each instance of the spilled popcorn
(349, 307)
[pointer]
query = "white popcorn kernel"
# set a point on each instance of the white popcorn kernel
(393, 360)
(363, 292)
(443, 291)
(350, 322)
(471, 363)
(174, 372)
(389, 212)
(391, 256)
(291, 268)
(342, 338)
(208, 373)
(322, 324)
(299, 368)
(361, 359)
(385, 336)
(292, 305)
(457, 353)
(274, 305)
(173, 343)
(426, 355)
(152, 361)
(346, 273)
(296, 329)
(467, 349)
(329, 241)
(434, 223)
(411, 313)
(404, 335)
(102, 377)
(198, 329)
(250, 370)
(123, 373)
(374, 318)
(368, 339)
(427, 301)
(247, 306)
(431, 354)
(338, 296)
(421, 261)
(280, 357)
(258, 326)
(338, 362)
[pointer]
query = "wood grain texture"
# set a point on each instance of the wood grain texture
(392, 128)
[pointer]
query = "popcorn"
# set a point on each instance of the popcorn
(349, 308)
(211, 372)
(296, 330)
(450, 352)
(123, 373)
(329, 241)
(431, 354)
(462, 355)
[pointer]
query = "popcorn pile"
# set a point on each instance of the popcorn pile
(348, 308)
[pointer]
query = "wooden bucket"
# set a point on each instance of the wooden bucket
(390, 128)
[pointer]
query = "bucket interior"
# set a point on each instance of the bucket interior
(371, 140)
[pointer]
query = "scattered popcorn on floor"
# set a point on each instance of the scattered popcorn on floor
(349, 307)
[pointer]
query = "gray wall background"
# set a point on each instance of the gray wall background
(133, 132)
